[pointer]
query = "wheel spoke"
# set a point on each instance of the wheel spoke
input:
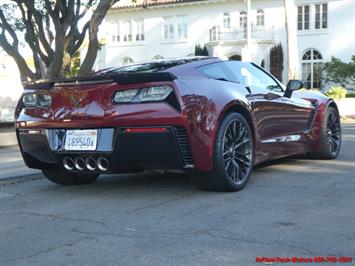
(228, 164)
(234, 130)
(226, 153)
(238, 145)
(229, 137)
(242, 131)
(331, 147)
(226, 159)
(244, 161)
(236, 170)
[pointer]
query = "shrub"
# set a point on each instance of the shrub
(277, 61)
(350, 95)
(201, 51)
(336, 93)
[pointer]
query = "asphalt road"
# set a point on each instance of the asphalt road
(290, 208)
(12, 164)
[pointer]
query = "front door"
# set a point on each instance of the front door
(279, 119)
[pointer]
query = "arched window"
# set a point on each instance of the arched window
(127, 60)
(243, 23)
(260, 18)
(311, 75)
(158, 57)
(243, 19)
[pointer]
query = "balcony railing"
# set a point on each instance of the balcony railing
(218, 33)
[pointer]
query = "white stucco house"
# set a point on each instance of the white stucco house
(138, 30)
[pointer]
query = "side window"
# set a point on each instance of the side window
(250, 75)
(217, 71)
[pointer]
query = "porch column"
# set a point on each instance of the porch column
(292, 42)
(246, 51)
(248, 23)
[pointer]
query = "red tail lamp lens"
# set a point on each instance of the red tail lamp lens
(146, 130)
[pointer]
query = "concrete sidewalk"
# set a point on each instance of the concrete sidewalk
(12, 164)
(7, 137)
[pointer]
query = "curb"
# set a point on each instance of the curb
(348, 119)
(17, 179)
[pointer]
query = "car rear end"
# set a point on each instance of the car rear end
(105, 124)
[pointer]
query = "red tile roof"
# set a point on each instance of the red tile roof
(145, 3)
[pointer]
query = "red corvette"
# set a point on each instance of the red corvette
(211, 118)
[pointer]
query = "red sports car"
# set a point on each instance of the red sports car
(210, 118)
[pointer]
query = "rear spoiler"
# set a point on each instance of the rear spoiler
(120, 78)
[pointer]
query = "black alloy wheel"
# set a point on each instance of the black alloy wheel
(330, 136)
(333, 133)
(237, 151)
(233, 156)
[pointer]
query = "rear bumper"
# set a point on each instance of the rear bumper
(125, 151)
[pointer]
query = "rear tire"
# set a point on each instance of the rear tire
(233, 156)
(330, 136)
(66, 178)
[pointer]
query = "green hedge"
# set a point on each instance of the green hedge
(350, 95)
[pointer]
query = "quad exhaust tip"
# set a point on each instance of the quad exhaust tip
(68, 163)
(89, 163)
(103, 164)
(79, 163)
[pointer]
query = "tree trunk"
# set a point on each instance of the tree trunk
(55, 65)
(292, 42)
(94, 45)
(91, 54)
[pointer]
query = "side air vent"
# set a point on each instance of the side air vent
(312, 116)
(184, 146)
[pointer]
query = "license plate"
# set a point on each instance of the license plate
(81, 140)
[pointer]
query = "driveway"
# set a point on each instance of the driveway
(302, 208)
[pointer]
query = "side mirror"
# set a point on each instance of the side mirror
(293, 85)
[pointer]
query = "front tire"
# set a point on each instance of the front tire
(233, 156)
(66, 178)
(330, 136)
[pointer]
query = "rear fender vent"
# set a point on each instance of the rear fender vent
(312, 116)
(184, 146)
(173, 102)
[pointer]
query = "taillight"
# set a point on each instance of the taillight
(36, 100)
(146, 94)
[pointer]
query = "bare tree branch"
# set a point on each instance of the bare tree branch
(13, 49)
(39, 23)
(51, 31)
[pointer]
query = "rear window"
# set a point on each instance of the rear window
(218, 71)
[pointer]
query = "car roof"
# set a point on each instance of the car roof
(162, 65)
